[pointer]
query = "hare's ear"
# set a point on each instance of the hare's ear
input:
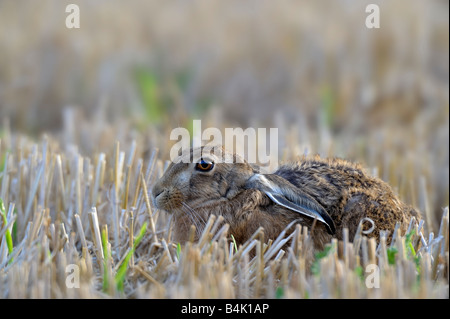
(284, 193)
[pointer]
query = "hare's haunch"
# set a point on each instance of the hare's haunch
(332, 194)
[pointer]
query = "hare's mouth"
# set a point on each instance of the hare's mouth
(168, 199)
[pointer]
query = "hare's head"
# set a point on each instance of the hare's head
(204, 176)
(212, 176)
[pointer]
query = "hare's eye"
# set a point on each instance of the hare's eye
(204, 166)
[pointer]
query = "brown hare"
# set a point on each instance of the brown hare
(331, 193)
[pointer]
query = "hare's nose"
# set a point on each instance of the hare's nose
(156, 192)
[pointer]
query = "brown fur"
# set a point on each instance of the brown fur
(342, 188)
(349, 194)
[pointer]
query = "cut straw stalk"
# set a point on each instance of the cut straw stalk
(49, 183)
(345, 249)
(35, 226)
(148, 175)
(78, 201)
(127, 188)
(137, 189)
(115, 208)
(80, 231)
(206, 231)
(97, 238)
(425, 203)
(439, 249)
(5, 179)
(149, 209)
(117, 171)
(61, 185)
(41, 198)
(99, 172)
(147, 276)
(129, 166)
(60, 238)
(241, 249)
(32, 192)
(131, 235)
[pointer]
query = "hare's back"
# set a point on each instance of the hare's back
(347, 193)
(327, 179)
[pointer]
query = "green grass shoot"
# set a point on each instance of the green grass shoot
(120, 276)
(315, 268)
(279, 292)
(105, 284)
(234, 242)
(8, 237)
(178, 250)
(391, 253)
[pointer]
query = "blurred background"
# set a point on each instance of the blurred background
(138, 69)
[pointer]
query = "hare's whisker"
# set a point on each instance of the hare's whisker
(200, 220)
(191, 218)
(194, 219)
(184, 220)
(200, 223)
